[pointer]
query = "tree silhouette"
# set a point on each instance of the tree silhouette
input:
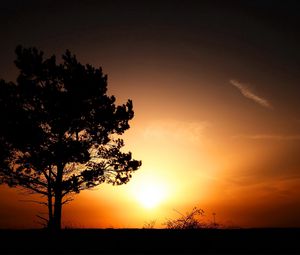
(60, 131)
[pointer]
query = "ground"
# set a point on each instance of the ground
(151, 241)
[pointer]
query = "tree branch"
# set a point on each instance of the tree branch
(26, 185)
(33, 201)
(67, 200)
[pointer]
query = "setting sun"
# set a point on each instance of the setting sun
(150, 196)
(149, 191)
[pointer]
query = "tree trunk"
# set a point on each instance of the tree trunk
(56, 223)
(58, 198)
(50, 211)
(50, 205)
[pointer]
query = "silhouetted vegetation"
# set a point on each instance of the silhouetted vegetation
(189, 220)
(59, 131)
(149, 224)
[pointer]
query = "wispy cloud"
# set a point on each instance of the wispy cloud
(246, 92)
(269, 137)
(176, 130)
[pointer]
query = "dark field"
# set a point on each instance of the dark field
(152, 241)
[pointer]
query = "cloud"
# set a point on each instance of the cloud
(246, 92)
(270, 137)
(176, 130)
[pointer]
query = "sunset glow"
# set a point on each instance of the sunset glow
(215, 92)
(150, 195)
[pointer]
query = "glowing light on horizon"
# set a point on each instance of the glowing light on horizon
(150, 191)
(150, 195)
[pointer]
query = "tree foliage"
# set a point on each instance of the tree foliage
(60, 131)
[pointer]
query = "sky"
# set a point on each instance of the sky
(215, 89)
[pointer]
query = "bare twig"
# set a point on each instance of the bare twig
(33, 201)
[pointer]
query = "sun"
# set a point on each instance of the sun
(149, 191)
(150, 195)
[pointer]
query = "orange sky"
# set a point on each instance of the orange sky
(217, 121)
(226, 166)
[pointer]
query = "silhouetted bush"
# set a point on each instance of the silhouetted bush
(190, 220)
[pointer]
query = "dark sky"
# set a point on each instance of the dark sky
(215, 87)
(263, 32)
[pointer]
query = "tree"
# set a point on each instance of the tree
(60, 131)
